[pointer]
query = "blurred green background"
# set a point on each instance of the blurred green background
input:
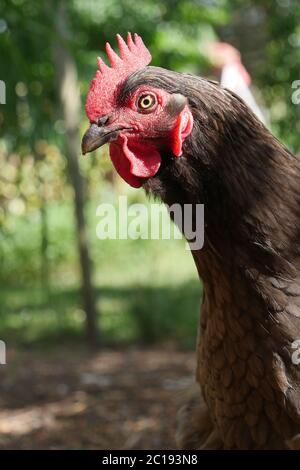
(62, 290)
(58, 282)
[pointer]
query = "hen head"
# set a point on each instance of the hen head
(139, 121)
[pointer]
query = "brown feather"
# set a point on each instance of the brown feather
(250, 266)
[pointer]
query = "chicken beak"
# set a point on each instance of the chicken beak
(97, 136)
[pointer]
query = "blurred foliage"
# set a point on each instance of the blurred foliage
(268, 35)
(143, 294)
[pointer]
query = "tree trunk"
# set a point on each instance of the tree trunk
(44, 248)
(70, 106)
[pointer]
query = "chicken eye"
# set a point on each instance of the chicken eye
(146, 102)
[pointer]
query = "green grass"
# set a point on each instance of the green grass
(146, 290)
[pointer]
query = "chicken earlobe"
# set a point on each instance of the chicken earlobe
(183, 127)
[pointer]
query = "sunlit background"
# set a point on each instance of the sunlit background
(100, 333)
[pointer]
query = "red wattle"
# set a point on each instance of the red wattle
(134, 161)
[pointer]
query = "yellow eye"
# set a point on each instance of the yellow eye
(146, 102)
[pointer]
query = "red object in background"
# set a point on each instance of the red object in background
(234, 75)
(223, 54)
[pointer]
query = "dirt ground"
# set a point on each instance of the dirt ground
(73, 399)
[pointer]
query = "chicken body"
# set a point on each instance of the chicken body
(250, 264)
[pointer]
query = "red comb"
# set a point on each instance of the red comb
(133, 56)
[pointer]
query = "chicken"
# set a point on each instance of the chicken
(189, 141)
